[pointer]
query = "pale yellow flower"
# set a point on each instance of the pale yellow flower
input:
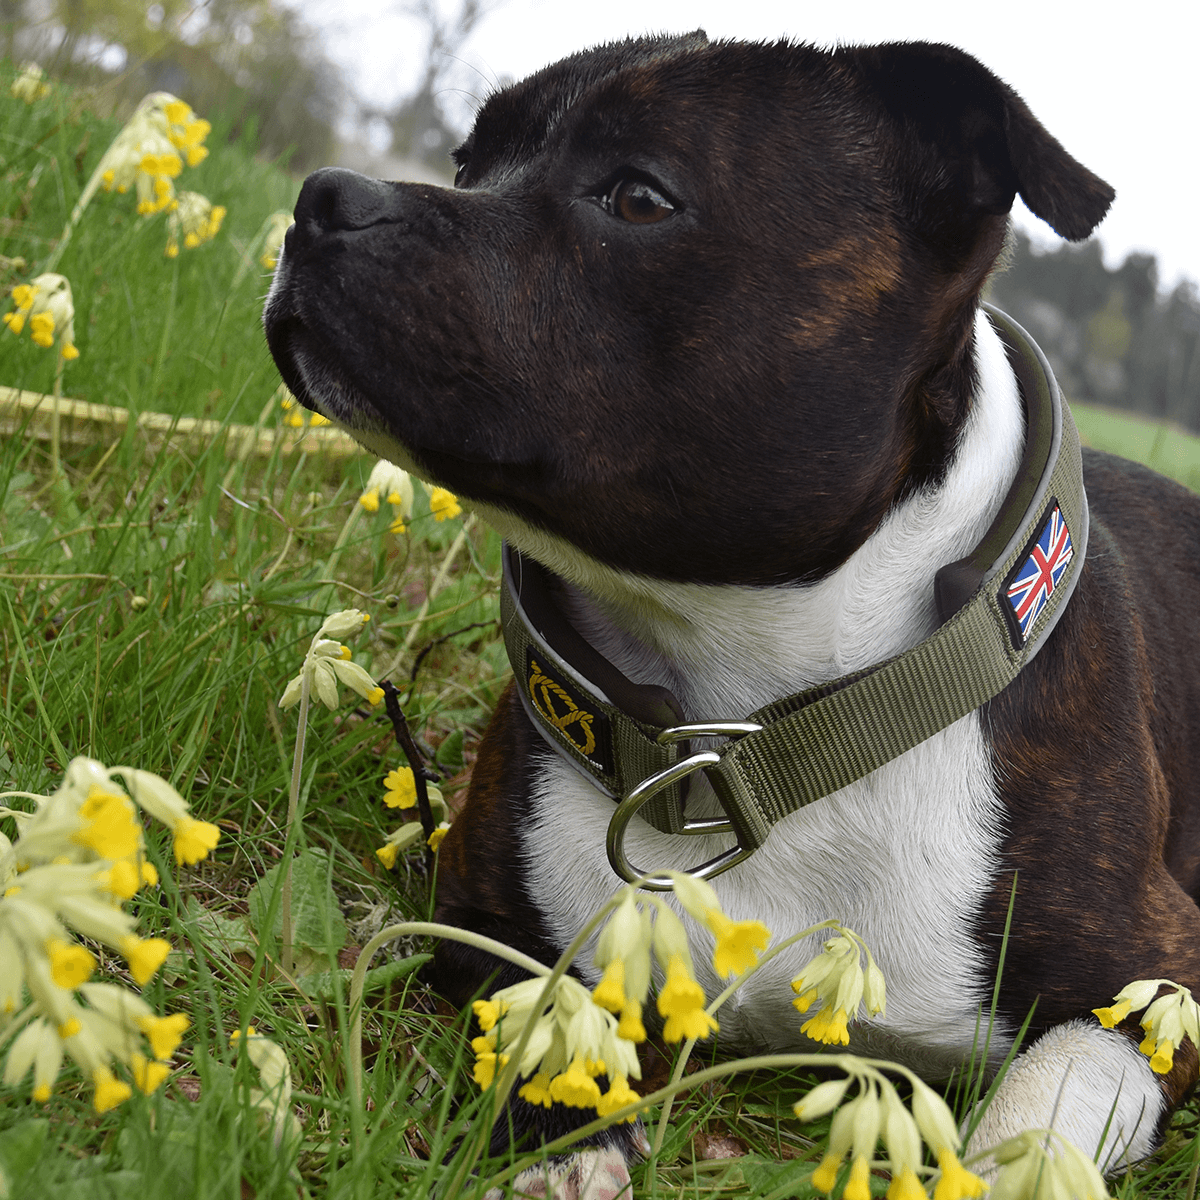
(837, 981)
(681, 1001)
(277, 225)
(1042, 1163)
(443, 504)
(30, 85)
(329, 663)
(389, 483)
(1166, 1022)
(149, 152)
(193, 220)
(46, 305)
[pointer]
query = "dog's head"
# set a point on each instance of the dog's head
(703, 310)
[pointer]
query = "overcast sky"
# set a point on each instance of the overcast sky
(1118, 91)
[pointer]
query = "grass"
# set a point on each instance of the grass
(155, 597)
(1158, 444)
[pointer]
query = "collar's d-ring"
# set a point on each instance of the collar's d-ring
(649, 786)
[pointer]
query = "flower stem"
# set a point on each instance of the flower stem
(417, 929)
(849, 1063)
(285, 898)
(660, 1131)
(439, 582)
(64, 238)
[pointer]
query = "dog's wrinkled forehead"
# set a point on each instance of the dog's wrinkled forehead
(519, 119)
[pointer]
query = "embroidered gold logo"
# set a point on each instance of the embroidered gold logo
(558, 709)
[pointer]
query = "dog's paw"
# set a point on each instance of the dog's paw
(589, 1175)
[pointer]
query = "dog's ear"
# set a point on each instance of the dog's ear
(969, 143)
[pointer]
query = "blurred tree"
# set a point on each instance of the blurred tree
(249, 61)
(1111, 338)
(419, 124)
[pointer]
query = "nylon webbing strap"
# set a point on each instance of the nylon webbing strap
(596, 736)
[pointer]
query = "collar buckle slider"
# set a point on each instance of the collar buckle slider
(655, 783)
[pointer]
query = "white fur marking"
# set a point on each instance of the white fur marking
(903, 856)
(1070, 1080)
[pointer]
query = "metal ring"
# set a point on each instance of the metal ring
(629, 807)
(697, 729)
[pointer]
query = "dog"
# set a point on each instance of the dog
(699, 331)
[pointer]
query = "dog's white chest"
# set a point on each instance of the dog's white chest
(903, 857)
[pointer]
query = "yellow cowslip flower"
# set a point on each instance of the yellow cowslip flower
(145, 956)
(486, 1066)
(276, 227)
(328, 663)
(186, 130)
(400, 788)
(194, 839)
(194, 220)
(437, 836)
(46, 305)
(626, 939)
(399, 840)
(878, 1114)
(443, 504)
(318, 419)
(537, 1090)
(630, 1026)
(30, 85)
(41, 329)
(149, 153)
(163, 1033)
(70, 963)
(123, 879)
(955, 1182)
(1166, 1022)
(738, 942)
(836, 979)
(110, 829)
(575, 1087)
(1042, 1162)
(858, 1186)
(681, 1001)
(610, 991)
(64, 888)
(854, 1131)
(618, 1095)
(1134, 996)
(148, 1075)
(293, 418)
(389, 482)
(22, 295)
(110, 1091)
(488, 1012)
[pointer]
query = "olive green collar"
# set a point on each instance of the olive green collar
(997, 607)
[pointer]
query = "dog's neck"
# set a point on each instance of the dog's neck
(726, 650)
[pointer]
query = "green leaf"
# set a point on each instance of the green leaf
(20, 1148)
(317, 921)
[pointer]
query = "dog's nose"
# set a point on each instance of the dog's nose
(334, 199)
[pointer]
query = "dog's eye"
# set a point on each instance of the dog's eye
(636, 201)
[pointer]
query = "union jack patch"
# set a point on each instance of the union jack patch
(1028, 588)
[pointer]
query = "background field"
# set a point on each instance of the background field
(156, 595)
